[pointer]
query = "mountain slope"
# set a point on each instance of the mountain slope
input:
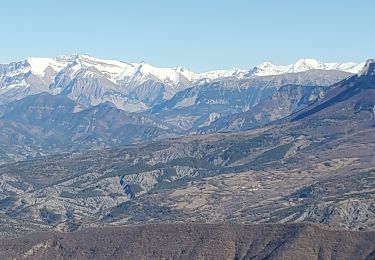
(194, 241)
(129, 86)
(199, 106)
(285, 101)
(45, 124)
(350, 98)
(316, 165)
(317, 168)
(90, 81)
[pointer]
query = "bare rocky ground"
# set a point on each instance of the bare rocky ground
(277, 174)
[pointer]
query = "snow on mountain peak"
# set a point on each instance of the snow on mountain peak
(266, 65)
(268, 69)
(38, 66)
(368, 69)
(116, 70)
(175, 78)
(130, 86)
(265, 69)
(307, 64)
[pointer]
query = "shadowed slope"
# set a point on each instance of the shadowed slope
(195, 241)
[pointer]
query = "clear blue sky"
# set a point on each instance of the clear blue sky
(197, 34)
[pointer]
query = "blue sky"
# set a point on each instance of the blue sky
(197, 34)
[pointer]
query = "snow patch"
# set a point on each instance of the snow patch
(186, 102)
(213, 117)
(38, 66)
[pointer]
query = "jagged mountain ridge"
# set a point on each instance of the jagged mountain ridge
(201, 105)
(267, 68)
(306, 101)
(350, 98)
(129, 86)
(90, 82)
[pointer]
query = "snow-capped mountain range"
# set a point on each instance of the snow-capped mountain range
(267, 68)
(129, 86)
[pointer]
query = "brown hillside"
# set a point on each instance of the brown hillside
(194, 241)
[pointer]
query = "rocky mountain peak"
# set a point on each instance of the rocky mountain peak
(368, 69)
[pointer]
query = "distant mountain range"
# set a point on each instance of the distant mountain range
(201, 105)
(312, 162)
(129, 86)
(79, 102)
